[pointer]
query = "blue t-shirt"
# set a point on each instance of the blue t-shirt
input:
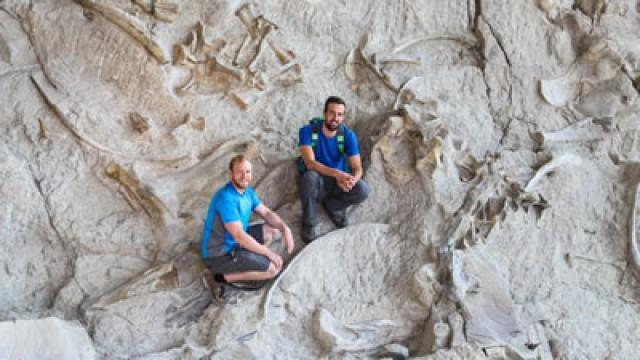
(326, 150)
(227, 205)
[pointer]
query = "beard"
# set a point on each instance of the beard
(331, 125)
(238, 185)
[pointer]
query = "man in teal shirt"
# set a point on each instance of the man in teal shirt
(233, 250)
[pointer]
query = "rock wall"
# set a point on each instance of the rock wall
(499, 140)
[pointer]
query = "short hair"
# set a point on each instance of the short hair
(236, 159)
(333, 100)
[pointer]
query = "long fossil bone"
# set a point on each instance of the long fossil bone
(130, 25)
(136, 191)
(633, 237)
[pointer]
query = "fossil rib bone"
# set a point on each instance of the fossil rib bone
(130, 25)
(549, 167)
(71, 112)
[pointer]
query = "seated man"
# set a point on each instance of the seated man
(326, 176)
(233, 250)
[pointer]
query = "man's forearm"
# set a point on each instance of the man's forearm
(274, 220)
(357, 173)
(322, 169)
(246, 241)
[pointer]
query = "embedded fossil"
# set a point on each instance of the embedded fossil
(597, 85)
(43, 131)
(5, 51)
(71, 114)
(161, 9)
(258, 28)
(378, 60)
(198, 123)
(369, 335)
(139, 123)
(213, 64)
(634, 248)
(287, 75)
(201, 57)
(557, 92)
(584, 130)
(247, 97)
(136, 192)
(441, 333)
(555, 163)
(129, 24)
(549, 7)
(456, 322)
(619, 264)
(350, 65)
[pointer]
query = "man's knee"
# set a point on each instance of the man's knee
(310, 178)
(271, 271)
(310, 183)
(360, 192)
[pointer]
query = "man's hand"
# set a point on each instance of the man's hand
(275, 259)
(345, 181)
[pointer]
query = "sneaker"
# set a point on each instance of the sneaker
(308, 234)
(249, 285)
(339, 217)
(216, 290)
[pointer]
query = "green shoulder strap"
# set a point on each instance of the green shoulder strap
(316, 125)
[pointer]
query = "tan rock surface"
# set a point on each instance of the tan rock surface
(500, 141)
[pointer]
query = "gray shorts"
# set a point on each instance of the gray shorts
(239, 259)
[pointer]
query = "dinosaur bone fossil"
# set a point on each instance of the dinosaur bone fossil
(633, 237)
(369, 335)
(139, 123)
(161, 9)
(584, 130)
(441, 333)
(136, 192)
(555, 163)
(258, 28)
(130, 25)
(378, 60)
(456, 323)
(72, 113)
(213, 64)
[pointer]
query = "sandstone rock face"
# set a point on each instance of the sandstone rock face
(47, 338)
(499, 140)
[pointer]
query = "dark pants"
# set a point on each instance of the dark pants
(239, 259)
(317, 188)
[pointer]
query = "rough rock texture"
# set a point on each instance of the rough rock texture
(499, 140)
(47, 338)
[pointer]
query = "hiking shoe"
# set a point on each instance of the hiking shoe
(216, 290)
(308, 234)
(249, 285)
(338, 217)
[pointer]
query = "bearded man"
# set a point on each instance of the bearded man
(330, 167)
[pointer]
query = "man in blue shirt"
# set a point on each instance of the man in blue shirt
(333, 169)
(233, 250)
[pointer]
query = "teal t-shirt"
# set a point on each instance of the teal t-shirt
(326, 150)
(227, 205)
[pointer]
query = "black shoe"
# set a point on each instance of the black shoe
(308, 233)
(249, 285)
(339, 217)
(216, 289)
